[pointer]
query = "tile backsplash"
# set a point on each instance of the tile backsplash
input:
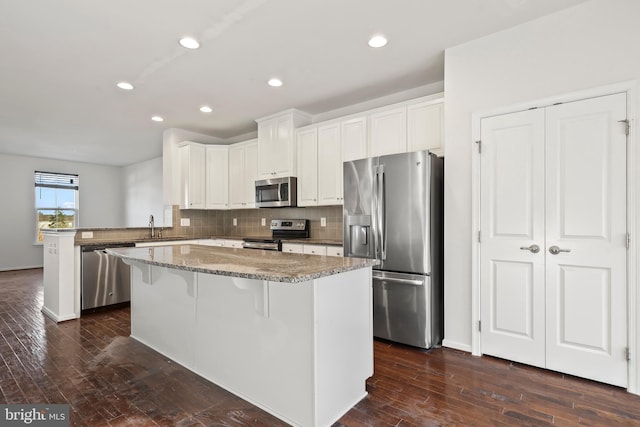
(214, 223)
(249, 221)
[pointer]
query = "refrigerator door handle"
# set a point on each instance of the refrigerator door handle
(382, 215)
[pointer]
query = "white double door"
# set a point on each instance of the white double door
(553, 252)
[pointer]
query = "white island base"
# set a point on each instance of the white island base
(300, 351)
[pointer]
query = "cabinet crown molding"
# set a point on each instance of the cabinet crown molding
(296, 114)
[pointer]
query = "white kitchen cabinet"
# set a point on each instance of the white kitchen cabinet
(217, 177)
(277, 145)
(230, 243)
(192, 176)
(335, 251)
(329, 165)
(307, 149)
(293, 248)
(166, 243)
(314, 249)
(354, 138)
(320, 165)
(425, 124)
(243, 172)
(388, 131)
(211, 242)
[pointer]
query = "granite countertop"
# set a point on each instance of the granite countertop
(246, 263)
(123, 241)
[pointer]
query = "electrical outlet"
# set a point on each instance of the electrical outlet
(235, 222)
(87, 234)
(264, 222)
(185, 222)
(323, 222)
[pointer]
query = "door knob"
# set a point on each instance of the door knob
(534, 249)
(554, 250)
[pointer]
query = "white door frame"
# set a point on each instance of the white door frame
(633, 222)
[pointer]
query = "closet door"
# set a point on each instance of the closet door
(586, 221)
(512, 233)
(553, 257)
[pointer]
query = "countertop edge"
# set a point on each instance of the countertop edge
(256, 276)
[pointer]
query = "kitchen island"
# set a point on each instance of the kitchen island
(290, 333)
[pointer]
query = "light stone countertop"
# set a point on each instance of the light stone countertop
(245, 263)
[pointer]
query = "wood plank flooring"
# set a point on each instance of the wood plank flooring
(110, 379)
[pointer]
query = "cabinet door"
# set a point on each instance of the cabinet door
(250, 173)
(237, 185)
(389, 132)
(267, 147)
(292, 248)
(192, 176)
(308, 162)
(276, 148)
(425, 123)
(217, 173)
(314, 250)
(334, 251)
(329, 176)
(354, 139)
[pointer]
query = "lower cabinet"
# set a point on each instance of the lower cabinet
(223, 243)
(299, 248)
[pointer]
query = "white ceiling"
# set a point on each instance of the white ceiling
(61, 60)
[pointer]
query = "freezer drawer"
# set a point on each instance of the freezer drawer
(406, 309)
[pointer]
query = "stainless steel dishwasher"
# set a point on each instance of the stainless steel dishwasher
(106, 279)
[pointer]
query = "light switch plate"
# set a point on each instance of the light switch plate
(185, 222)
(323, 222)
(87, 234)
(235, 222)
(263, 222)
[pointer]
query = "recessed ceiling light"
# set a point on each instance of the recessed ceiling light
(189, 43)
(125, 85)
(206, 109)
(275, 82)
(377, 41)
(157, 119)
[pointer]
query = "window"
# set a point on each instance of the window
(56, 201)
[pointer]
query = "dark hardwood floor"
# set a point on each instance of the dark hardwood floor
(110, 379)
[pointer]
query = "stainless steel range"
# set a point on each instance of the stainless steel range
(281, 229)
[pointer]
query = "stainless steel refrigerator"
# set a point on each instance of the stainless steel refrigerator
(393, 212)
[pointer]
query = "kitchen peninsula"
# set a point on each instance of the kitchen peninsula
(289, 333)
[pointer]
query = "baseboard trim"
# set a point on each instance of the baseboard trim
(456, 345)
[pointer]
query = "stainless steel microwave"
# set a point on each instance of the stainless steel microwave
(276, 192)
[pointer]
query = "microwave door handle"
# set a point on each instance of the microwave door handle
(280, 192)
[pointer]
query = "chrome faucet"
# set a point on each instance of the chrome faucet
(152, 227)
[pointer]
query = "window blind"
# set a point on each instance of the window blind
(56, 180)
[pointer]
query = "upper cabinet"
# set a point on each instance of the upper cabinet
(243, 172)
(217, 177)
(276, 143)
(204, 176)
(192, 175)
(354, 135)
(307, 149)
(425, 122)
(320, 165)
(329, 165)
(388, 131)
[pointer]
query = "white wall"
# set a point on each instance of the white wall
(142, 189)
(101, 204)
(588, 46)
